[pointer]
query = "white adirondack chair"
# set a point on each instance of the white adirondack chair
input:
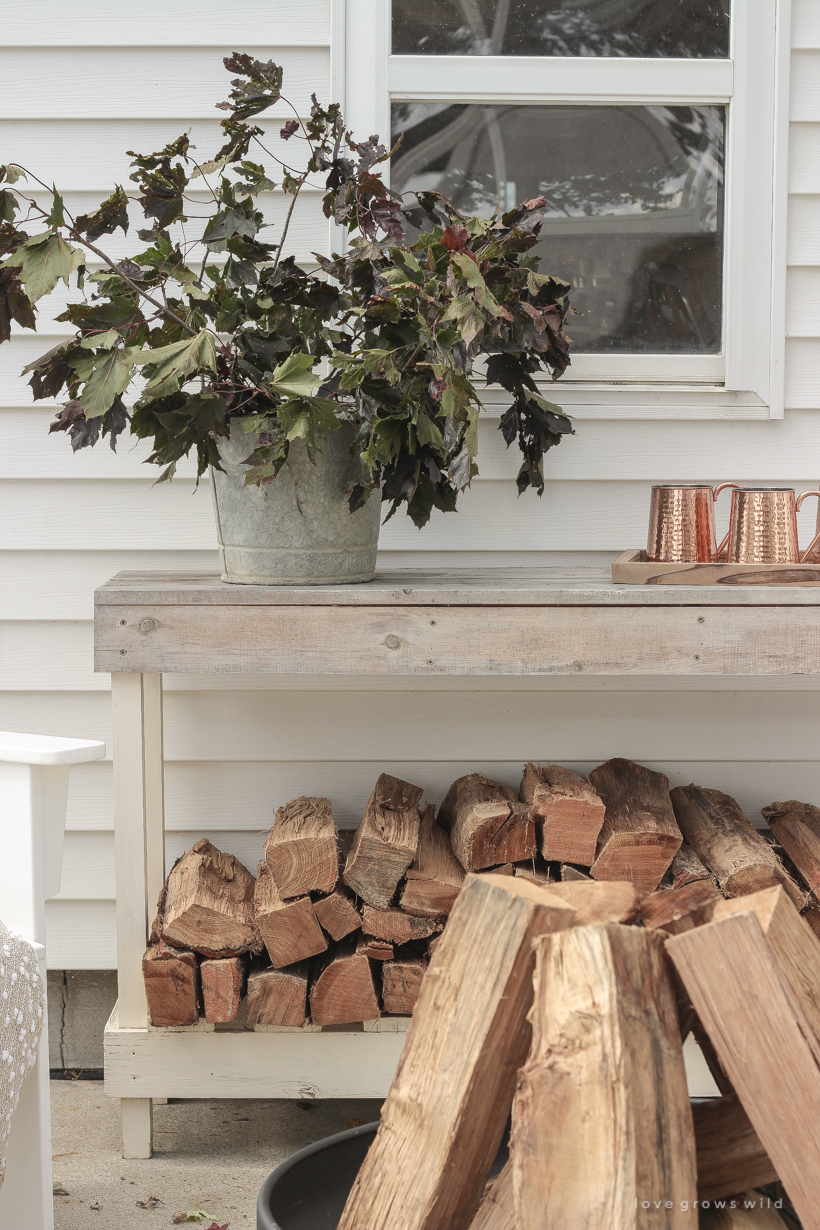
(33, 793)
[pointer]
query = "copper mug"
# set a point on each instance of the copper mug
(763, 527)
(682, 524)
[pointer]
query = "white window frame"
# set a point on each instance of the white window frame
(746, 381)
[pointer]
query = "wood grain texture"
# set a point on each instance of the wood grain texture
(374, 949)
(401, 984)
(487, 825)
(735, 984)
(301, 849)
(345, 990)
(730, 1157)
(395, 926)
(278, 996)
(172, 985)
(724, 840)
(338, 914)
(680, 909)
(435, 876)
(289, 929)
(599, 901)
(639, 836)
(792, 941)
(223, 982)
(686, 867)
(207, 904)
(602, 1120)
(497, 1208)
(386, 841)
(797, 827)
(438, 1136)
(567, 812)
(752, 1211)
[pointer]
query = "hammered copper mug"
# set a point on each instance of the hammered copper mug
(763, 527)
(682, 524)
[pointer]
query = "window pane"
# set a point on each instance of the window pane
(678, 28)
(634, 213)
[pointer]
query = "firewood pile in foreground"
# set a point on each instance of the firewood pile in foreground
(591, 925)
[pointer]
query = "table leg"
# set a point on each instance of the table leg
(139, 847)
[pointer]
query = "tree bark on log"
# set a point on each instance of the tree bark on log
(302, 850)
(726, 842)
(487, 825)
(386, 841)
(207, 904)
(395, 926)
(401, 984)
(680, 909)
(760, 1036)
(639, 836)
(797, 827)
(345, 990)
(686, 867)
(567, 812)
(436, 876)
(730, 1155)
(444, 1116)
(602, 1119)
(497, 1208)
(278, 996)
(223, 981)
(172, 985)
(289, 929)
(337, 913)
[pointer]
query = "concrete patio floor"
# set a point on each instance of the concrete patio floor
(210, 1155)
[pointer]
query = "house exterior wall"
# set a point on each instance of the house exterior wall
(81, 86)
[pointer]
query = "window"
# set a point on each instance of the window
(650, 128)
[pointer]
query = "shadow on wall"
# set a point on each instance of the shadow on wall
(79, 1004)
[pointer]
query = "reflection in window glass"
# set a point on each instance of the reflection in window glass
(634, 206)
(676, 28)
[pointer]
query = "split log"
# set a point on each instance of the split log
(172, 985)
(302, 851)
(730, 1155)
(497, 1208)
(752, 1211)
(505, 869)
(395, 926)
(797, 827)
(735, 983)
(680, 909)
(600, 901)
(223, 981)
(436, 876)
(568, 812)
(386, 841)
(207, 904)
(487, 824)
(289, 929)
(686, 868)
(445, 1114)
(375, 949)
(401, 984)
(535, 873)
(795, 946)
(726, 842)
(639, 837)
(278, 996)
(570, 873)
(345, 990)
(602, 1119)
(812, 916)
(337, 913)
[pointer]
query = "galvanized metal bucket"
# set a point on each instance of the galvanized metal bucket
(297, 530)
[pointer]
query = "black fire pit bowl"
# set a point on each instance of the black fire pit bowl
(309, 1190)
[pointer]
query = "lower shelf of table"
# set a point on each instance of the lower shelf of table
(203, 1063)
(200, 1062)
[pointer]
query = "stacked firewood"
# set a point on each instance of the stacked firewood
(329, 938)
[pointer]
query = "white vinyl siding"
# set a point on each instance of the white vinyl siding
(237, 748)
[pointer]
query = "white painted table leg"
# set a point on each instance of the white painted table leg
(139, 847)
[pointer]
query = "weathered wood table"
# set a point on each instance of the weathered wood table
(553, 621)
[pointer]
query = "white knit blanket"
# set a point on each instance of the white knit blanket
(22, 1004)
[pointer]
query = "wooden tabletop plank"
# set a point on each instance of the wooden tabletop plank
(543, 587)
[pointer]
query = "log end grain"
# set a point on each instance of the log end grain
(278, 996)
(302, 849)
(172, 986)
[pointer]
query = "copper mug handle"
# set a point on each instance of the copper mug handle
(715, 494)
(804, 557)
